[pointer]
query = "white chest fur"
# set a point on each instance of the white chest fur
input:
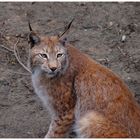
(40, 89)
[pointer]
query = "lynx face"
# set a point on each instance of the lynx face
(50, 56)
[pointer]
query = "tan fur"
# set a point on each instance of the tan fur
(86, 93)
(102, 127)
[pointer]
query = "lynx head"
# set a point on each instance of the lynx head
(49, 54)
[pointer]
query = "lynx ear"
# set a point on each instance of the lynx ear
(62, 36)
(63, 41)
(32, 38)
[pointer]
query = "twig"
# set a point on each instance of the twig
(15, 51)
(124, 54)
(17, 57)
(20, 73)
(6, 51)
(28, 59)
(2, 46)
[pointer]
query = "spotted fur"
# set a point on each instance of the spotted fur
(82, 92)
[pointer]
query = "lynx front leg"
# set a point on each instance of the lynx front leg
(60, 126)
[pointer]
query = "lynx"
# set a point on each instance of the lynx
(80, 92)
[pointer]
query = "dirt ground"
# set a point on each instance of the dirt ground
(108, 32)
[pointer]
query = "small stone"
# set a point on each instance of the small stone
(29, 132)
(123, 39)
(110, 23)
(7, 37)
(128, 78)
(120, 31)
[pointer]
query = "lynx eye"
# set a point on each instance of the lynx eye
(43, 55)
(59, 55)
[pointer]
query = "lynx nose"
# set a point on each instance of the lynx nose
(53, 69)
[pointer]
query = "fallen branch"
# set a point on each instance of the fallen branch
(121, 51)
(16, 54)
(2, 46)
(20, 73)
(18, 58)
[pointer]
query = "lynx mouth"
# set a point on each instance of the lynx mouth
(52, 74)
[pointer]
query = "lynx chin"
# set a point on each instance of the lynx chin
(81, 93)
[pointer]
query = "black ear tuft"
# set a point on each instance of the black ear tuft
(67, 29)
(29, 25)
(33, 39)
